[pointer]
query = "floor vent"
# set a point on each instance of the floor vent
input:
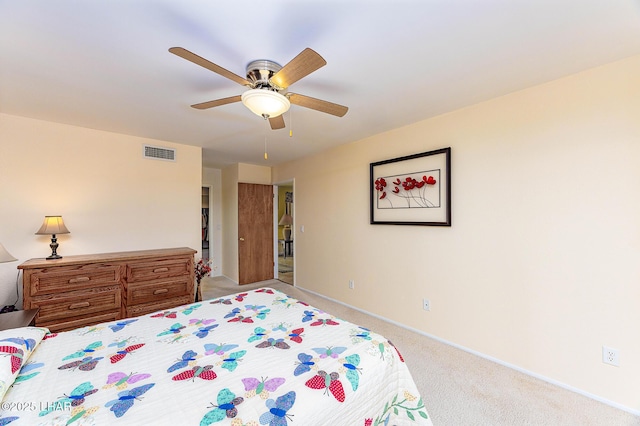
(158, 153)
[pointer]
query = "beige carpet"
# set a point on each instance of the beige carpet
(459, 388)
(285, 269)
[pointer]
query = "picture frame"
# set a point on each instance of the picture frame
(412, 190)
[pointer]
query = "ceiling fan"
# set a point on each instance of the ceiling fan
(268, 82)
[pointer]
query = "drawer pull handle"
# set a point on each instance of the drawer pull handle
(157, 270)
(161, 291)
(80, 305)
(79, 280)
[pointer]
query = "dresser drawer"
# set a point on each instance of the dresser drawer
(76, 303)
(157, 291)
(77, 322)
(154, 270)
(168, 304)
(64, 279)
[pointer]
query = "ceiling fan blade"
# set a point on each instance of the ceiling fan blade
(198, 60)
(302, 65)
(276, 122)
(217, 102)
(317, 104)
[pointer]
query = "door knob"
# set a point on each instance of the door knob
(241, 239)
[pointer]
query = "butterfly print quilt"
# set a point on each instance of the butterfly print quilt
(253, 358)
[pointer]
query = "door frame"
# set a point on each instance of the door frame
(276, 203)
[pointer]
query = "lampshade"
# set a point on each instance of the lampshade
(52, 225)
(286, 219)
(264, 102)
(5, 256)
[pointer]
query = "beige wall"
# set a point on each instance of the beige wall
(541, 266)
(230, 222)
(249, 173)
(111, 198)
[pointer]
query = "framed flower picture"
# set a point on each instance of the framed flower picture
(412, 190)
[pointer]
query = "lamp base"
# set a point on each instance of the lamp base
(54, 248)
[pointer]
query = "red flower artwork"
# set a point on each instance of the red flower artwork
(412, 190)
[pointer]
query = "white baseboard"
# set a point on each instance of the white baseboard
(485, 356)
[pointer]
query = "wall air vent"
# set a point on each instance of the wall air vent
(159, 153)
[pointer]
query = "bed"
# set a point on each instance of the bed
(253, 358)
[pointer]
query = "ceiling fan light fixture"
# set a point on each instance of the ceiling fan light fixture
(264, 102)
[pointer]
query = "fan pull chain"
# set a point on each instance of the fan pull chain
(266, 156)
(266, 130)
(290, 123)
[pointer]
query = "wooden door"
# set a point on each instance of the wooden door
(255, 233)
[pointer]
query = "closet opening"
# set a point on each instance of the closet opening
(206, 191)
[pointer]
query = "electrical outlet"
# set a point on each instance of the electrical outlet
(351, 284)
(426, 305)
(610, 356)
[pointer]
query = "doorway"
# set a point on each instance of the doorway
(206, 196)
(285, 235)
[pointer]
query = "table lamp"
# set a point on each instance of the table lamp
(53, 225)
(287, 221)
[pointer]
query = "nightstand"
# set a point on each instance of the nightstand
(17, 319)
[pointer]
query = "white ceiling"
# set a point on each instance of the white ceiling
(105, 64)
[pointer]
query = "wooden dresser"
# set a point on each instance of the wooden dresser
(77, 291)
